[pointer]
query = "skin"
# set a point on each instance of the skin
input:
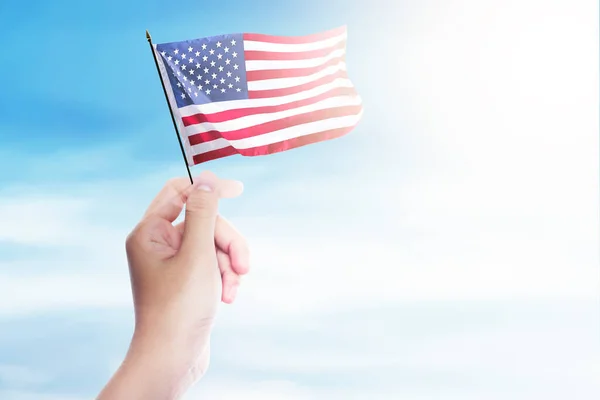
(179, 275)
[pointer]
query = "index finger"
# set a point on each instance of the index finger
(169, 202)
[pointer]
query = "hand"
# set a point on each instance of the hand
(179, 274)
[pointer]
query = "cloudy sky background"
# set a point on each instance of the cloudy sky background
(445, 249)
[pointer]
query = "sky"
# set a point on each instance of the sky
(447, 248)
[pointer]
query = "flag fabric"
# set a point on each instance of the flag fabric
(256, 94)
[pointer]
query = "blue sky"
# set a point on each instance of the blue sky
(447, 248)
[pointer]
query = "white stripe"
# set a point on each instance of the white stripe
(257, 119)
(255, 65)
(251, 45)
(281, 83)
(209, 146)
(211, 108)
(283, 134)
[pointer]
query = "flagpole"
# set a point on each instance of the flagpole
(169, 104)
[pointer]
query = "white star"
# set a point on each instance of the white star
(204, 47)
(235, 66)
(207, 91)
(215, 86)
(230, 86)
(190, 60)
(222, 80)
(169, 58)
(233, 42)
(197, 65)
(234, 54)
(192, 83)
(226, 49)
(229, 74)
(183, 95)
(206, 70)
(191, 71)
(218, 44)
(178, 73)
(190, 90)
(212, 63)
(220, 68)
(199, 77)
(197, 53)
(185, 78)
(190, 49)
(212, 51)
(199, 87)
(205, 58)
(183, 67)
(182, 55)
(222, 90)
(207, 81)
(214, 76)
(238, 90)
(163, 53)
(178, 84)
(219, 56)
(227, 61)
(195, 94)
(176, 62)
(176, 51)
(237, 78)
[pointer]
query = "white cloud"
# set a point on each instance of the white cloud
(40, 219)
(268, 390)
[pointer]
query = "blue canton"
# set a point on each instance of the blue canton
(206, 70)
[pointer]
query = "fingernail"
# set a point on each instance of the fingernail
(204, 188)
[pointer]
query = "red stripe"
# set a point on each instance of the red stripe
(258, 37)
(204, 137)
(261, 75)
(274, 147)
(213, 155)
(262, 94)
(253, 55)
(243, 112)
(281, 123)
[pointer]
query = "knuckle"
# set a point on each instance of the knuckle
(240, 245)
(231, 277)
(200, 201)
(132, 241)
(173, 182)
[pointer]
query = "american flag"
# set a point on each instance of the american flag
(255, 94)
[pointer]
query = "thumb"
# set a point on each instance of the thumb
(200, 218)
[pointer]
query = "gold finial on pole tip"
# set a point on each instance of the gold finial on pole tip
(148, 36)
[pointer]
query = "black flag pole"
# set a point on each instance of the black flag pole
(169, 105)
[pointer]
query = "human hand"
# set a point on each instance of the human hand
(179, 274)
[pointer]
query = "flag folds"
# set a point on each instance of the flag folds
(255, 94)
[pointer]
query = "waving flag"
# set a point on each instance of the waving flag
(255, 94)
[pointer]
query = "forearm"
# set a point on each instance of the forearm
(153, 369)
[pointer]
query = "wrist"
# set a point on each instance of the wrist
(154, 368)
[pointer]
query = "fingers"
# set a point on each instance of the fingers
(200, 219)
(231, 280)
(230, 241)
(170, 200)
